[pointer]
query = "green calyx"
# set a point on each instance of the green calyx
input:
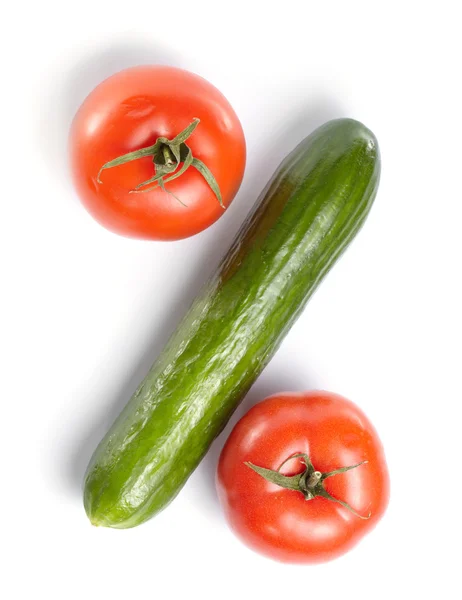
(310, 482)
(167, 155)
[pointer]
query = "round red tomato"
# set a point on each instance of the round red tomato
(304, 512)
(129, 112)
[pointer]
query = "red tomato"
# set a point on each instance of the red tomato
(280, 522)
(129, 111)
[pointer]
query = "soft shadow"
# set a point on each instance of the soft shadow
(216, 241)
(73, 86)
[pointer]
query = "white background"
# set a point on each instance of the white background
(84, 312)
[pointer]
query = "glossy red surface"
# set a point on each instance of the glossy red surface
(280, 523)
(129, 111)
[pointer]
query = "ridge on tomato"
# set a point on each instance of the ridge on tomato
(303, 477)
(156, 153)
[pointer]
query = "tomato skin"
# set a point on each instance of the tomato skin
(129, 111)
(280, 523)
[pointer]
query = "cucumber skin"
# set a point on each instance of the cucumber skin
(305, 217)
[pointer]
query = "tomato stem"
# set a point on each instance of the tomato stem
(166, 156)
(309, 482)
(314, 479)
(169, 159)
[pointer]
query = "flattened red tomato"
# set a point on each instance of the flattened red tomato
(320, 503)
(128, 113)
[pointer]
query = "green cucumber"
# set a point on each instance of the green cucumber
(307, 215)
